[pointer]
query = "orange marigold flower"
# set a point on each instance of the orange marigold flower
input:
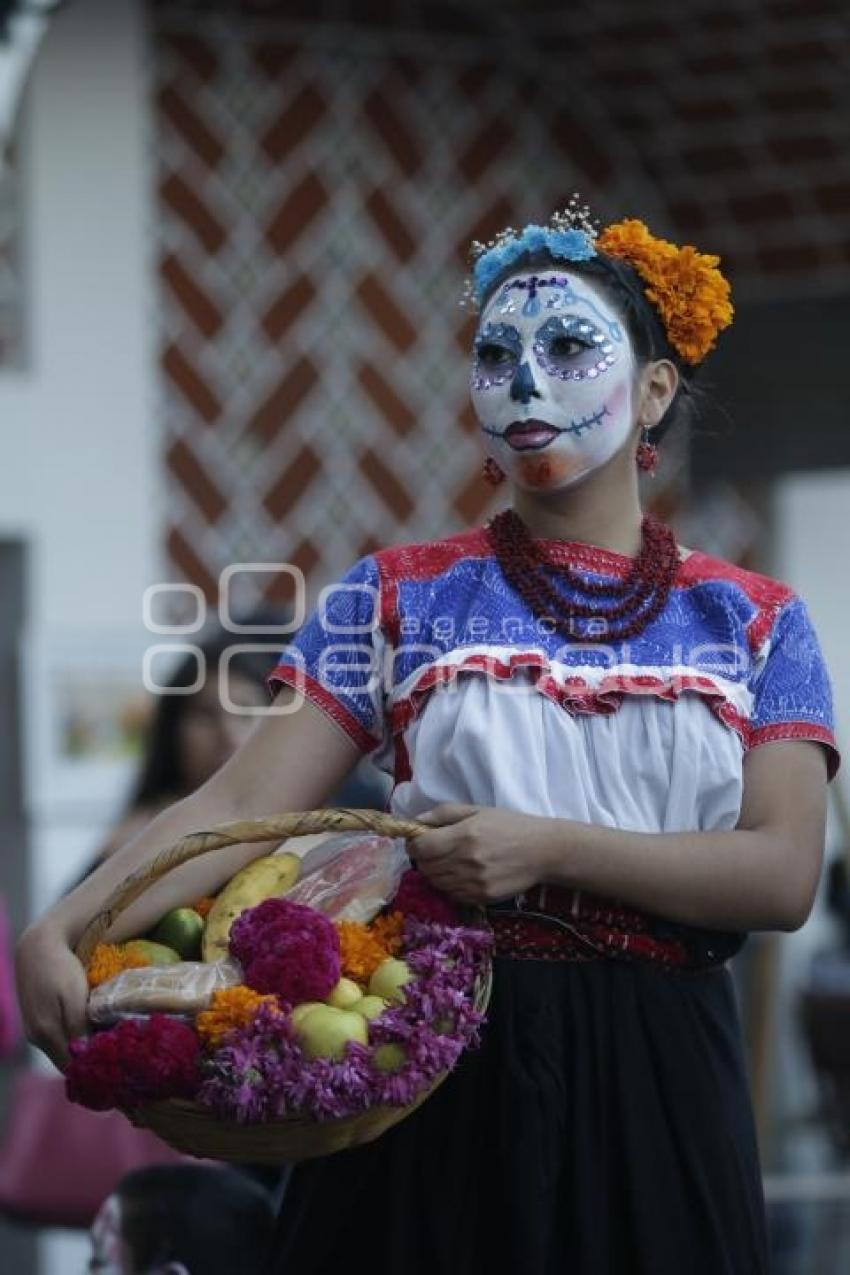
(361, 951)
(202, 906)
(686, 287)
(229, 1007)
(388, 929)
(109, 959)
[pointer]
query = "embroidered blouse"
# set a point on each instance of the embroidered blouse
(428, 659)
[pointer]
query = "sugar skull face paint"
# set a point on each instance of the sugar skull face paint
(552, 379)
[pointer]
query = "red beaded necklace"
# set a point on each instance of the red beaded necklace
(634, 601)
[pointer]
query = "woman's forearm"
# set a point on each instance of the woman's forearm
(204, 875)
(737, 880)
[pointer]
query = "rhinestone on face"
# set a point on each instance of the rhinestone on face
(480, 382)
(609, 360)
(592, 373)
(601, 366)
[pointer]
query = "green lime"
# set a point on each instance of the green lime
(181, 928)
(153, 953)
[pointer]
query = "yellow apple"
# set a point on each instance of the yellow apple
(389, 1057)
(153, 953)
(369, 1006)
(389, 979)
(345, 994)
(325, 1031)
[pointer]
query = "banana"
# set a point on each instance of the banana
(265, 878)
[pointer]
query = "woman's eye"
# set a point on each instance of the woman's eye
(494, 355)
(563, 347)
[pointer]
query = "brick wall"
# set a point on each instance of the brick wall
(322, 168)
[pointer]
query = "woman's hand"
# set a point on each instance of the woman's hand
(477, 854)
(52, 990)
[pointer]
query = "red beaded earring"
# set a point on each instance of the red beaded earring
(647, 454)
(492, 473)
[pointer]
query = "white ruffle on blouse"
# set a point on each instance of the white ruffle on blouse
(652, 766)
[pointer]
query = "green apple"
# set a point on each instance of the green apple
(389, 979)
(370, 1007)
(153, 953)
(182, 929)
(389, 1057)
(299, 1011)
(345, 994)
(325, 1031)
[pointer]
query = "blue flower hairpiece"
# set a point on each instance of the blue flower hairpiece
(569, 236)
(563, 245)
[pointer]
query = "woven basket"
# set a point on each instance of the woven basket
(191, 1128)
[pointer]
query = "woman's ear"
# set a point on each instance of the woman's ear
(657, 387)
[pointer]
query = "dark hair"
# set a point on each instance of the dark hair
(163, 773)
(216, 1221)
(625, 290)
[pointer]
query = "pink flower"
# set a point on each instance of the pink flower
(134, 1062)
(287, 949)
(416, 897)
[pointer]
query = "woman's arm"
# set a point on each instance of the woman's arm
(291, 762)
(760, 876)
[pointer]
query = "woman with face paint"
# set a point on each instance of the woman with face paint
(620, 748)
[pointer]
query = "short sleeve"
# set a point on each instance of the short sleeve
(792, 694)
(336, 658)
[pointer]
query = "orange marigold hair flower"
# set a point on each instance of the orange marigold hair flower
(685, 286)
(361, 951)
(109, 959)
(388, 930)
(229, 1007)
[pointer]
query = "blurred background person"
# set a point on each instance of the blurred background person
(190, 735)
(182, 1220)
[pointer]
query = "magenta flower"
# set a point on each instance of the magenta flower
(287, 949)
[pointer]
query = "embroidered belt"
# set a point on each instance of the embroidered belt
(552, 924)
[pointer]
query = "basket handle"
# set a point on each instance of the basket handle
(270, 828)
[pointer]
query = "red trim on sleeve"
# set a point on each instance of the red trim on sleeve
(286, 675)
(778, 731)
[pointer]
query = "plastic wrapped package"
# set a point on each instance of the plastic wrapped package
(350, 877)
(186, 987)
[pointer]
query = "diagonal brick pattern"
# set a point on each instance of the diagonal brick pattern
(322, 169)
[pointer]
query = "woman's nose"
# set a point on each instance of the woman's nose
(523, 388)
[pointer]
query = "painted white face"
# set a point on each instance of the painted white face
(552, 378)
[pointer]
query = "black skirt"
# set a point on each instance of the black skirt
(604, 1127)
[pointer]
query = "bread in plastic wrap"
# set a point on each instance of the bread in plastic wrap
(186, 987)
(352, 876)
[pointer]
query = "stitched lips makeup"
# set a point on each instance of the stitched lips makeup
(552, 371)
